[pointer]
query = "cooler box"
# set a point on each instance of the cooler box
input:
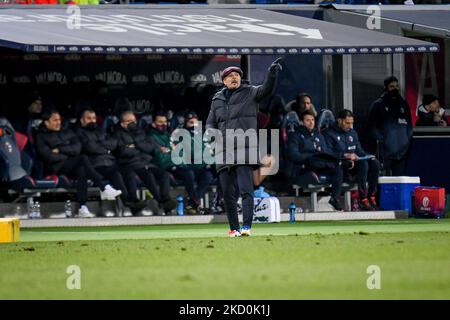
(396, 192)
(267, 210)
(429, 202)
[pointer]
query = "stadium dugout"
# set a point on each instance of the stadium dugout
(188, 30)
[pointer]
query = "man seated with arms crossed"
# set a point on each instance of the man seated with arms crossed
(60, 150)
(99, 147)
(135, 153)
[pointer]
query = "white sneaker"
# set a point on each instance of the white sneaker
(84, 212)
(109, 214)
(146, 212)
(109, 193)
(127, 213)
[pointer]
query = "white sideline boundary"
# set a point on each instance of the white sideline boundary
(205, 219)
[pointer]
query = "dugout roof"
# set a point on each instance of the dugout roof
(203, 30)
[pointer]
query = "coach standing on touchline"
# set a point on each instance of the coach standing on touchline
(236, 107)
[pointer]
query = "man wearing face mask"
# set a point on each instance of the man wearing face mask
(200, 173)
(163, 159)
(135, 153)
(391, 128)
(99, 148)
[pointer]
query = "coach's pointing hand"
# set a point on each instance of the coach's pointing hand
(276, 65)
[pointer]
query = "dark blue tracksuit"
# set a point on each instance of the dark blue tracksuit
(303, 147)
(391, 126)
(342, 142)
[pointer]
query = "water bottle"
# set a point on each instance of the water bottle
(30, 208)
(292, 209)
(68, 209)
(180, 207)
(37, 210)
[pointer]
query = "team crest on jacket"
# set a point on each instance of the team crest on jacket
(339, 138)
(350, 138)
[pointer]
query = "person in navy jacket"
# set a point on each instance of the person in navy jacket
(344, 142)
(391, 127)
(309, 152)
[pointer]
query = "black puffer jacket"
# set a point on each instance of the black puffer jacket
(98, 146)
(235, 110)
(134, 148)
(65, 140)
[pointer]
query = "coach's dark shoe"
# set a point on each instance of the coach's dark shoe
(168, 205)
(136, 205)
(334, 202)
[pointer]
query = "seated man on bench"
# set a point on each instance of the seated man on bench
(60, 150)
(308, 151)
(344, 141)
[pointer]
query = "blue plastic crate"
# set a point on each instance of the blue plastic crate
(396, 192)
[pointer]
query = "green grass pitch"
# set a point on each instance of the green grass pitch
(305, 260)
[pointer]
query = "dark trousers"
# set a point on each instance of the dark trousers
(237, 181)
(113, 175)
(80, 168)
(195, 180)
(366, 173)
(155, 179)
(336, 177)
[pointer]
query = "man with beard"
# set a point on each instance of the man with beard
(391, 128)
(99, 148)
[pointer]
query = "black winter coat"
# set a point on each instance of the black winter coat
(238, 109)
(134, 149)
(341, 142)
(391, 124)
(98, 146)
(308, 151)
(65, 140)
